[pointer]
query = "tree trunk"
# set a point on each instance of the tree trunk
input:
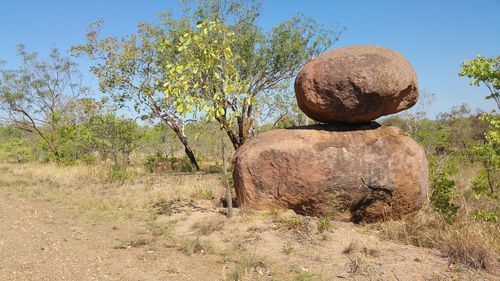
(190, 154)
(229, 197)
(230, 133)
(187, 148)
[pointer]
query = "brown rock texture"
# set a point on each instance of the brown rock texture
(356, 84)
(368, 172)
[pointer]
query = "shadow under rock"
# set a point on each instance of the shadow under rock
(339, 127)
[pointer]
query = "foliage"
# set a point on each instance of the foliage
(235, 65)
(76, 142)
(114, 138)
(215, 169)
(14, 146)
(281, 110)
(130, 70)
(206, 78)
(118, 173)
(454, 132)
(17, 148)
(442, 187)
(486, 215)
(489, 202)
(484, 71)
(324, 224)
(38, 95)
(159, 163)
(488, 155)
(413, 117)
(442, 192)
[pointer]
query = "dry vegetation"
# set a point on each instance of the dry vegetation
(172, 227)
(473, 243)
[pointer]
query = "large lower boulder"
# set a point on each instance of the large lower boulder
(367, 172)
(356, 84)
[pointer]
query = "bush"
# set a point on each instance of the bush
(442, 192)
(118, 173)
(215, 169)
(158, 163)
(442, 186)
(150, 163)
(89, 159)
(183, 165)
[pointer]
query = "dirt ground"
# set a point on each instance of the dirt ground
(192, 240)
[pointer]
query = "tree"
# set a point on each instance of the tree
(114, 137)
(485, 71)
(414, 117)
(36, 96)
(226, 63)
(130, 70)
(13, 145)
(279, 108)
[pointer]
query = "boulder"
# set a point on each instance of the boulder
(361, 173)
(356, 84)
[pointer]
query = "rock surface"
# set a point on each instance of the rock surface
(368, 172)
(356, 84)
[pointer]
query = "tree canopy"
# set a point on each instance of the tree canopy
(38, 95)
(213, 61)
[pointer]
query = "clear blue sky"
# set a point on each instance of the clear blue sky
(436, 36)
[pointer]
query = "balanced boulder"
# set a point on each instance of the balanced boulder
(356, 84)
(367, 172)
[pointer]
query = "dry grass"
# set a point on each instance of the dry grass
(157, 229)
(132, 242)
(195, 246)
(88, 190)
(209, 226)
(466, 241)
(250, 268)
(350, 248)
(359, 265)
(474, 244)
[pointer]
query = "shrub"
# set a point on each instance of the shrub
(159, 163)
(442, 186)
(118, 173)
(150, 163)
(324, 224)
(183, 165)
(488, 209)
(215, 169)
(442, 192)
(89, 159)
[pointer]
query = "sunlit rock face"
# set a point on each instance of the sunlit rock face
(356, 84)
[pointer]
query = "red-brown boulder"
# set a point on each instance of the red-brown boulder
(366, 172)
(356, 84)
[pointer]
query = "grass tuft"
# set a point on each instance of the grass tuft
(195, 246)
(132, 242)
(207, 227)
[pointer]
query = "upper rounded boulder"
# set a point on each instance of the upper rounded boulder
(356, 84)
